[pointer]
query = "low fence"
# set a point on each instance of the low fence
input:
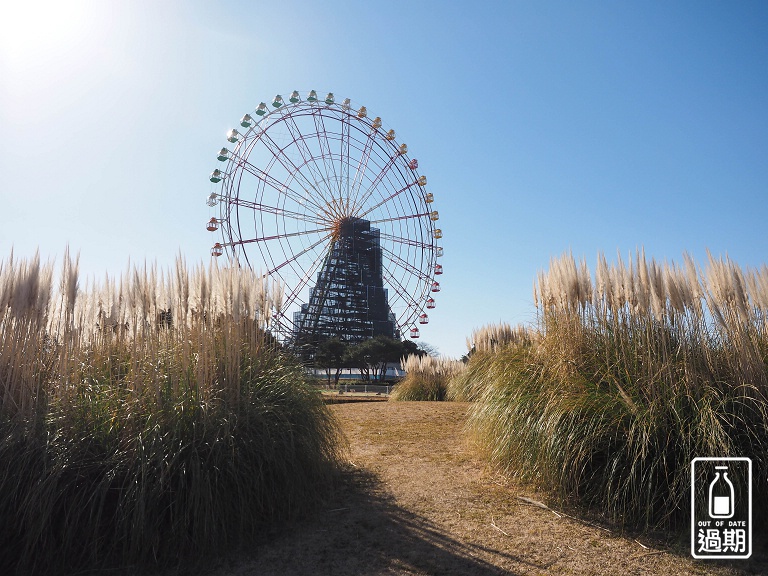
(365, 388)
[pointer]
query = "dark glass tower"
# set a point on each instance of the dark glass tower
(349, 300)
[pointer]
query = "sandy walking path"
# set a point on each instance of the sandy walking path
(418, 500)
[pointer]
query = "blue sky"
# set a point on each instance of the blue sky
(542, 126)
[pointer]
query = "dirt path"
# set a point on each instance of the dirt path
(417, 500)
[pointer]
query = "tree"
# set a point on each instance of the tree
(391, 351)
(428, 349)
(410, 348)
(331, 355)
(372, 356)
(359, 356)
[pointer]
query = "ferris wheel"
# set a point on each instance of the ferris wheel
(299, 172)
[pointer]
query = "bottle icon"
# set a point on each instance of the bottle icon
(721, 494)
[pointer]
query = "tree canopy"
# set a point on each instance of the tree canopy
(371, 357)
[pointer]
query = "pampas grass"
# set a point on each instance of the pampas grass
(426, 378)
(629, 375)
(148, 418)
(486, 342)
(496, 336)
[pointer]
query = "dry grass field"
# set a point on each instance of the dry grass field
(417, 499)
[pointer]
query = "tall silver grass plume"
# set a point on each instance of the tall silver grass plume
(495, 336)
(153, 281)
(148, 294)
(751, 286)
(717, 282)
(585, 283)
(540, 291)
(658, 297)
(693, 281)
(618, 278)
(758, 289)
(602, 280)
(432, 366)
(629, 285)
(277, 297)
(739, 289)
(203, 291)
(725, 283)
(613, 290)
(236, 296)
(257, 297)
(571, 280)
(246, 288)
(69, 281)
(24, 280)
(642, 282)
(762, 279)
(182, 285)
(672, 288)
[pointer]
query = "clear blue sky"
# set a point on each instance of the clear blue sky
(542, 126)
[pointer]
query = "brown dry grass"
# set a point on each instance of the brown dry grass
(417, 499)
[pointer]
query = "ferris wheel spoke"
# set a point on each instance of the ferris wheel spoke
(344, 152)
(405, 265)
(289, 165)
(362, 166)
(304, 151)
(264, 177)
(325, 152)
(388, 198)
(274, 210)
(300, 254)
(401, 291)
(280, 236)
(406, 241)
(304, 280)
(321, 172)
(395, 218)
(372, 187)
(339, 176)
(278, 186)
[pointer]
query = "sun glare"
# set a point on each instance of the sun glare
(42, 31)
